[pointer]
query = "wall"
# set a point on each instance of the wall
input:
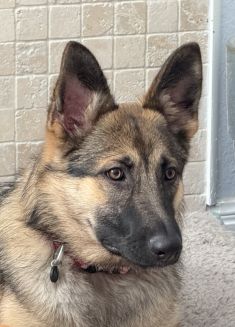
(131, 39)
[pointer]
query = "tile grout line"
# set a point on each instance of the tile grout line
(178, 21)
(112, 70)
(48, 53)
(145, 50)
(57, 39)
(113, 46)
(16, 91)
(81, 22)
(205, 64)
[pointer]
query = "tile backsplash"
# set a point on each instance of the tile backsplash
(131, 40)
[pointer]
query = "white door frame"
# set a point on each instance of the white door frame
(225, 211)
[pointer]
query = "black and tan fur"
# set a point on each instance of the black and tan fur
(69, 194)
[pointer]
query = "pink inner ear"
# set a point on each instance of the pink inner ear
(75, 101)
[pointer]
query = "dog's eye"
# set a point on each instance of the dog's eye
(170, 174)
(116, 174)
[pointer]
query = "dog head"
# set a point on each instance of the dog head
(111, 175)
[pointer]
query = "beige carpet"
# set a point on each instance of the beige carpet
(208, 294)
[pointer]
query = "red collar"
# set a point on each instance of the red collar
(76, 261)
(79, 264)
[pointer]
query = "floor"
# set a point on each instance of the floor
(208, 293)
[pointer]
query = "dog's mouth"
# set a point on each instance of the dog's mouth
(83, 266)
(122, 267)
(94, 268)
(138, 260)
(79, 265)
(89, 268)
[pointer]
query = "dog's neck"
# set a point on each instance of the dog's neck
(59, 249)
(37, 222)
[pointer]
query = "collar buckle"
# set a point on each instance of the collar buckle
(57, 260)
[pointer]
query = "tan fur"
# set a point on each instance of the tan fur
(179, 195)
(67, 193)
(106, 291)
(31, 243)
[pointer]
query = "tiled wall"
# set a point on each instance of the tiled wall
(130, 38)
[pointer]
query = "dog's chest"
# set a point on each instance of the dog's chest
(88, 300)
(106, 301)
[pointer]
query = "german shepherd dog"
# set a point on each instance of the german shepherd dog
(90, 235)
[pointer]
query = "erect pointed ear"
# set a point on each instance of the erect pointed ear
(176, 90)
(81, 94)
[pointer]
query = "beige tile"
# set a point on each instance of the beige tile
(6, 179)
(130, 17)
(5, 4)
(30, 125)
(194, 178)
(25, 153)
(7, 159)
(64, 22)
(7, 125)
(63, 2)
(96, 1)
(102, 48)
(128, 84)
(31, 92)
(56, 49)
(109, 75)
(159, 47)
(162, 16)
(7, 94)
(203, 107)
(205, 80)
(31, 23)
(31, 2)
(52, 83)
(97, 19)
(31, 58)
(7, 58)
(7, 25)
(198, 146)
(199, 37)
(150, 75)
(193, 15)
(129, 51)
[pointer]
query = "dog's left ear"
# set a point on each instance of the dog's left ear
(81, 94)
(176, 90)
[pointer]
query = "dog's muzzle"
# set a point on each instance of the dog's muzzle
(159, 251)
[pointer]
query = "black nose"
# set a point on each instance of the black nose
(165, 248)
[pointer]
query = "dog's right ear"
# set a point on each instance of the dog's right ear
(176, 90)
(81, 94)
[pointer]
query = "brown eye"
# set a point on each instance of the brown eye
(116, 174)
(170, 174)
